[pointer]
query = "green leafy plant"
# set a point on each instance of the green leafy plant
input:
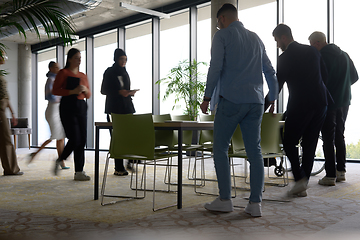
(22, 14)
(186, 82)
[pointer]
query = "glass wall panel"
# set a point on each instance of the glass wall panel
(44, 58)
(345, 36)
(104, 46)
(204, 36)
(174, 47)
(139, 66)
(304, 17)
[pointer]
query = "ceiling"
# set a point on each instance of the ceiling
(107, 11)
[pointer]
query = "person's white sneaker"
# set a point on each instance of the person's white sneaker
(219, 205)
(302, 194)
(81, 176)
(340, 176)
(327, 181)
(299, 187)
(254, 209)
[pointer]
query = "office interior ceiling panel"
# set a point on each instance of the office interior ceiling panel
(107, 11)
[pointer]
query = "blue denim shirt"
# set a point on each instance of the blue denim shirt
(238, 60)
(48, 88)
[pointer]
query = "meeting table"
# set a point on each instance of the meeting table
(180, 126)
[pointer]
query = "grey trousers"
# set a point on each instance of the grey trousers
(7, 150)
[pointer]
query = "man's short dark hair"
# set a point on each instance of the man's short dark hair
(281, 30)
(227, 7)
(51, 64)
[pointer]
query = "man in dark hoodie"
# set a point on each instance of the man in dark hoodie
(116, 87)
(341, 75)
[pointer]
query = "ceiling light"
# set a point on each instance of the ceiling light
(144, 10)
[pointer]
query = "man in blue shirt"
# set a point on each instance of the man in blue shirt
(238, 60)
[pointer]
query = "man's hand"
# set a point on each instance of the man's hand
(272, 108)
(204, 107)
(14, 120)
(124, 92)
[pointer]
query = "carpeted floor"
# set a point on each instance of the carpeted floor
(39, 205)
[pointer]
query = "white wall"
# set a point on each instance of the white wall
(11, 66)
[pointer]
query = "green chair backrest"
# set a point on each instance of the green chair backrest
(187, 135)
(270, 133)
(237, 142)
(133, 135)
(163, 137)
(206, 117)
(206, 135)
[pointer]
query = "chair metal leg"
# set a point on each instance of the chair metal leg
(167, 178)
(124, 198)
(233, 176)
(150, 189)
(284, 176)
(154, 191)
(104, 180)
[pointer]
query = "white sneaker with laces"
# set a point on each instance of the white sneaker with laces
(340, 176)
(254, 209)
(81, 176)
(327, 181)
(219, 205)
(302, 194)
(299, 187)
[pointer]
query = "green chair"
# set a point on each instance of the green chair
(188, 146)
(206, 140)
(271, 144)
(136, 141)
(270, 141)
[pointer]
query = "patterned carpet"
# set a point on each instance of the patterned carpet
(39, 205)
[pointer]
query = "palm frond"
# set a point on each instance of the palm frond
(31, 14)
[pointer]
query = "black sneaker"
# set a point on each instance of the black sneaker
(130, 166)
(121, 173)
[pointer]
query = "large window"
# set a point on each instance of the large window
(104, 46)
(139, 66)
(204, 36)
(345, 36)
(44, 58)
(174, 47)
(249, 14)
(304, 17)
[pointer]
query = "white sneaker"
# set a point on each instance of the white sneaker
(299, 187)
(81, 176)
(219, 205)
(302, 194)
(327, 181)
(340, 176)
(254, 209)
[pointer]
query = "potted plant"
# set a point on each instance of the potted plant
(22, 14)
(184, 81)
